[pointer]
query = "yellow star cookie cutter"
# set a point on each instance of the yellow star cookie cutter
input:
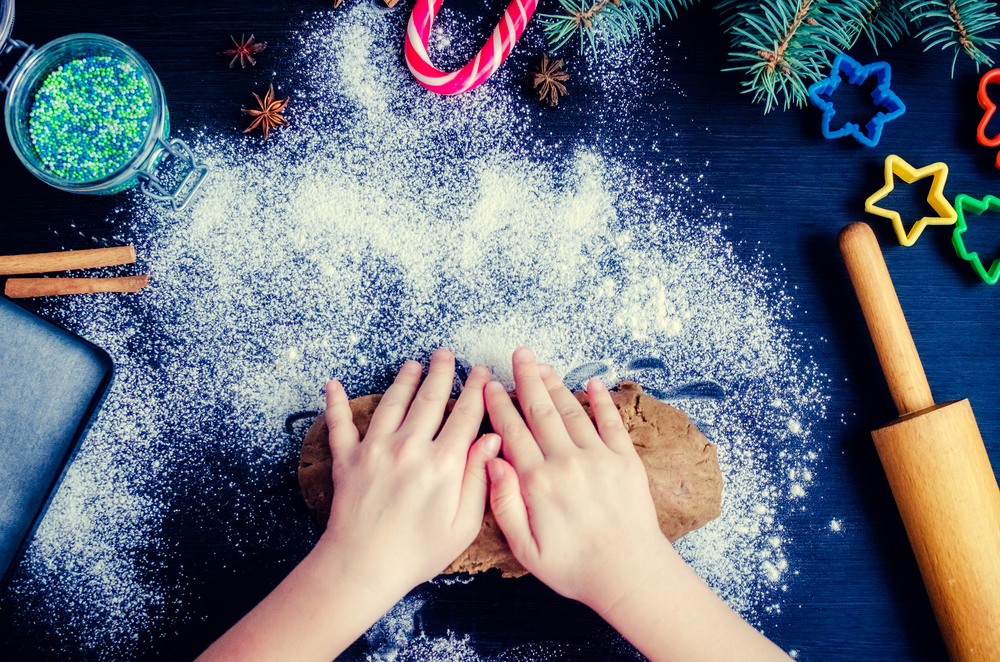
(897, 167)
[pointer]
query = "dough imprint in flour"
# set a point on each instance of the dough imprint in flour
(681, 464)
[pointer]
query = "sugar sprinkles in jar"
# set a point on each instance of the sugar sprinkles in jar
(89, 117)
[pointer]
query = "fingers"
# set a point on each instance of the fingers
(519, 447)
(539, 412)
(392, 408)
(579, 426)
(472, 499)
(339, 420)
(609, 421)
(465, 419)
(510, 512)
(427, 409)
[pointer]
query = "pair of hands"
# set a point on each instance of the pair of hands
(572, 500)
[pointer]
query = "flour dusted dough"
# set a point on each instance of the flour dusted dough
(682, 467)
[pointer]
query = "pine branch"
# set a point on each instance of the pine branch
(615, 21)
(957, 24)
(784, 45)
(885, 20)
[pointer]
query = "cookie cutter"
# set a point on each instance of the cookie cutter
(991, 76)
(963, 202)
(856, 75)
(897, 167)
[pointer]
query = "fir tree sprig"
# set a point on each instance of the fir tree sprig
(783, 45)
(879, 20)
(957, 24)
(616, 21)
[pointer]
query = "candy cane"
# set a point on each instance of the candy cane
(496, 50)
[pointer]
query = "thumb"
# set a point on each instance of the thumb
(472, 498)
(510, 512)
(343, 435)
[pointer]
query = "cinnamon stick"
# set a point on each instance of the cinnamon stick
(22, 288)
(38, 263)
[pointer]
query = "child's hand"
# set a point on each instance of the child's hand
(410, 497)
(572, 500)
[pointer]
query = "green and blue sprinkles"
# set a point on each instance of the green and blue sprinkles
(89, 117)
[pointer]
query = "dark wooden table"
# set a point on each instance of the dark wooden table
(855, 595)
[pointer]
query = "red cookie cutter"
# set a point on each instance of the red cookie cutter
(992, 76)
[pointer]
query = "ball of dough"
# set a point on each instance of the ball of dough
(681, 464)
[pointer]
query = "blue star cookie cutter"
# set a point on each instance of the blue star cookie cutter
(856, 75)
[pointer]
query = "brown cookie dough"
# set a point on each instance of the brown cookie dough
(682, 467)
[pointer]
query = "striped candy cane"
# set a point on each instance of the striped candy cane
(496, 50)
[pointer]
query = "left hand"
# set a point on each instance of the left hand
(410, 497)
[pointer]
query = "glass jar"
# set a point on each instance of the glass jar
(175, 185)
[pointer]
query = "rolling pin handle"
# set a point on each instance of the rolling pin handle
(884, 316)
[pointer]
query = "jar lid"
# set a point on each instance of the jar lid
(6, 20)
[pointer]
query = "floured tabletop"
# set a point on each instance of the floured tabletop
(656, 225)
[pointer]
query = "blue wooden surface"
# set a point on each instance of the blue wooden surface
(857, 595)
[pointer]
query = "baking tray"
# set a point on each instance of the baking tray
(52, 384)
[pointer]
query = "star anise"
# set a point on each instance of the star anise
(245, 50)
(548, 79)
(269, 114)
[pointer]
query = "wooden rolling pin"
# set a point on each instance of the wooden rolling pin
(938, 469)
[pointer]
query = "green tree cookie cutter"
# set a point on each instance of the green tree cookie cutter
(977, 207)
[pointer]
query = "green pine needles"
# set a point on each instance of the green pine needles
(879, 20)
(617, 21)
(957, 24)
(783, 46)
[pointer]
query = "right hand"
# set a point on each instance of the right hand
(572, 500)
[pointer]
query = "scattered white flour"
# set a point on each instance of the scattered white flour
(396, 638)
(396, 629)
(385, 222)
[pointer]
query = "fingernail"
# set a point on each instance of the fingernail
(496, 387)
(479, 371)
(544, 370)
(496, 471)
(597, 383)
(491, 445)
(440, 354)
(523, 355)
(411, 366)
